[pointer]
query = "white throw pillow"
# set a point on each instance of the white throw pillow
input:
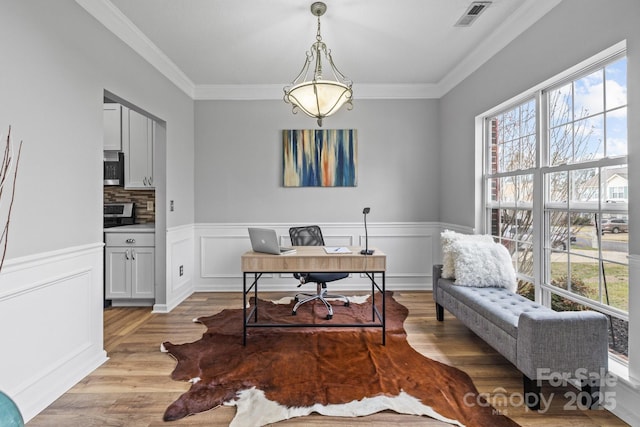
(447, 237)
(483, 264)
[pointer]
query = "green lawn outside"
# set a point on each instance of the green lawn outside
(617, 281)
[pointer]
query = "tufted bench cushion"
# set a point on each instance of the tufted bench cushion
(491, 313)
(498, 305)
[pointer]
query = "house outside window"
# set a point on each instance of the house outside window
(556, 192)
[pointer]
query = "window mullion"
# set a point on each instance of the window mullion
(539, 199)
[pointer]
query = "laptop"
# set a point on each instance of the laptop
(265, 240)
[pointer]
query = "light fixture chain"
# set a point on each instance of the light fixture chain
(318, 46)
(318, 35)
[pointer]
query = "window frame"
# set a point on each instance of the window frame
(541, 207)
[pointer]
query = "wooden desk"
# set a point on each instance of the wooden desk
(313, 259)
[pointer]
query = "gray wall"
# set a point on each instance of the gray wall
(238, 164)
(572, 32)
(57, 61)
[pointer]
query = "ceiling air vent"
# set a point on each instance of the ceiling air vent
(474, 10)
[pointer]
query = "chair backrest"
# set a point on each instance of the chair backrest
(310, 235)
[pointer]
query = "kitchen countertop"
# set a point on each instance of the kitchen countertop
(133, 228)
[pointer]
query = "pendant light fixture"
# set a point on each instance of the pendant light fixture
(316, 95)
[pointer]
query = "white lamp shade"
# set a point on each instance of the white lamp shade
(319, 98)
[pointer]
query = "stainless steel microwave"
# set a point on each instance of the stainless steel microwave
(114, 168)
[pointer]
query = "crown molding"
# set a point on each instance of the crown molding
(116, 22)
(239, 92)
(396, 91)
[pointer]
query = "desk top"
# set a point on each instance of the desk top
(314, 258)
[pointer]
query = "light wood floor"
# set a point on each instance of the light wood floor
(133, 387)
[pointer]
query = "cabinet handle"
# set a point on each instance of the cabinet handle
(144, 181)
(131, 240)
(133, 254)
(150, 181)
(126, 254)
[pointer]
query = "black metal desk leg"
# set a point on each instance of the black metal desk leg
(373, 296)
(384, 311)
(255, 295)
(244, 308)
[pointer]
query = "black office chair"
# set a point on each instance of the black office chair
(312, 236)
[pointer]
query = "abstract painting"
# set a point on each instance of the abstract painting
(320, 158)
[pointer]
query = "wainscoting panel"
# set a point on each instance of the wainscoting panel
(180, 268)
(408, 256)
(51, 314)
(220, 255)
(409, 248)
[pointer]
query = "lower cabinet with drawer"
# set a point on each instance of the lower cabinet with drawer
(130, 268)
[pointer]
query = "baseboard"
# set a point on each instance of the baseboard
(621, 393)
(187, 291)
(625, 399)
(61, 379)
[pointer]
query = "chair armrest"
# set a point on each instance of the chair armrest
(570, 343)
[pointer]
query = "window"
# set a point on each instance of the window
(512, 149)
(556, 192)
(617, 194)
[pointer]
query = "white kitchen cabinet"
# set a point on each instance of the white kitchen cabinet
(137, 143)
(129, 266)
(112, 115)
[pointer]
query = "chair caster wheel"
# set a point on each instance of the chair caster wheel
(329, 316)
(346, 304)
(296, 299)
(293, 313)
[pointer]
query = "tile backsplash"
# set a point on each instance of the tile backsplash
(139, 197)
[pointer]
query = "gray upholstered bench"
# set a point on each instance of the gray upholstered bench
(540, 342)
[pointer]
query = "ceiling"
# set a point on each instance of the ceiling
(250, 49)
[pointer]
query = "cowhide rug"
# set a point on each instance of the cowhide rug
(290, 372)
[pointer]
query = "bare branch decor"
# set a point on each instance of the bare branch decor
(8, 177)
